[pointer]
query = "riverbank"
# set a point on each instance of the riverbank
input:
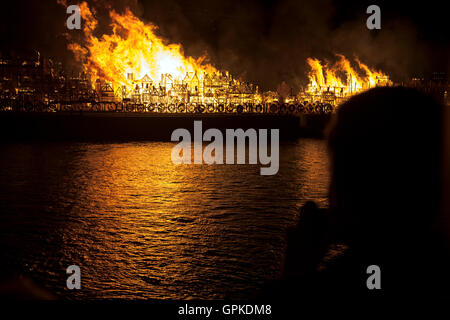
(132, 126)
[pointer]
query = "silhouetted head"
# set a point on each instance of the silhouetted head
(385, 147)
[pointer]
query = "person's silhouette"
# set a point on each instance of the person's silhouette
(385, 151)
(385, 148)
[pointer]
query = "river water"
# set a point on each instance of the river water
(140, 226)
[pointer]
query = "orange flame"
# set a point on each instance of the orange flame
(342, 77)
(132, 48)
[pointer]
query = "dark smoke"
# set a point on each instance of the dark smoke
(269, 41)
(264, 42)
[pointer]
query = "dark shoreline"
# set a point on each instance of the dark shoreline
(114, 126)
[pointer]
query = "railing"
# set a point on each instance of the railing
(24, 105)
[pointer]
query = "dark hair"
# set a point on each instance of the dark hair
(385, 147)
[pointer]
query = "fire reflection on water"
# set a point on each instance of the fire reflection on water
(141, 227)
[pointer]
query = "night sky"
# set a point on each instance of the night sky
(264, 42)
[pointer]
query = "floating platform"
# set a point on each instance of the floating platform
(134, 126)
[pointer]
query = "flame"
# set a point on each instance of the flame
(133, 55)
(132, 48)
(342, 78)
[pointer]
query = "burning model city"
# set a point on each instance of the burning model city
(210, 151)
(133, 69)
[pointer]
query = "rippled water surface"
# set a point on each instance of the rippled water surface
(141, 227)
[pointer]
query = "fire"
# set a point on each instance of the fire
(132, 52)
(133, 65)
(341, 78)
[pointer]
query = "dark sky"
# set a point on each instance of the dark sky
(266, 42)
